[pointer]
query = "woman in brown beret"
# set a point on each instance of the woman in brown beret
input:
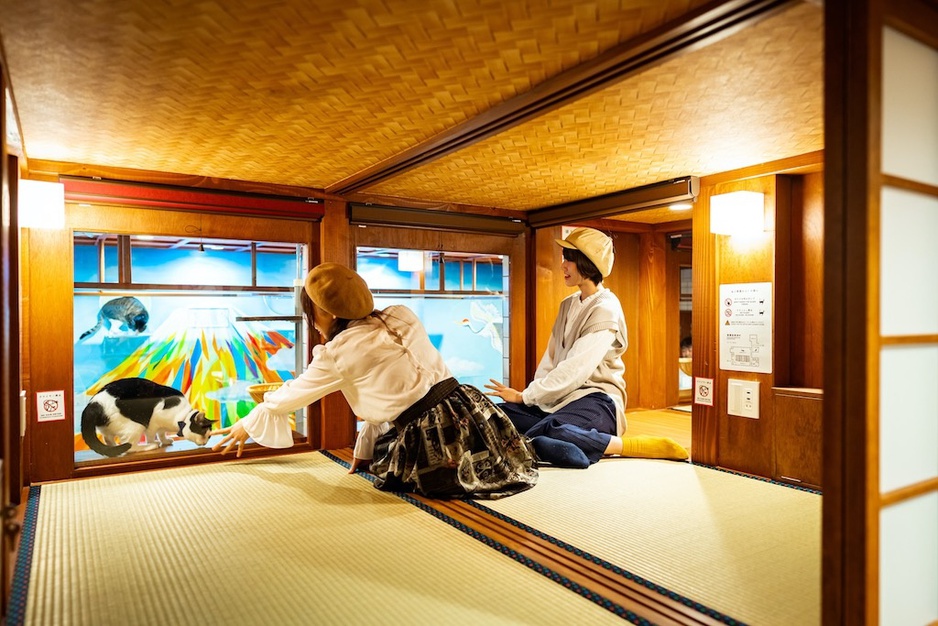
(423, 431)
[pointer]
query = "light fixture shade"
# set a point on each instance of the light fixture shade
(737, 213)
(41, 204)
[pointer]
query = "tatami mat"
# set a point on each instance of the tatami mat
(747, 548)
(286, 540)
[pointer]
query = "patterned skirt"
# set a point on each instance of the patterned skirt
(454, 443)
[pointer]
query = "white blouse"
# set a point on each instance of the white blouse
(381, 370)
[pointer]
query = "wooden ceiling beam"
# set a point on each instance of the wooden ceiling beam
(701, 27)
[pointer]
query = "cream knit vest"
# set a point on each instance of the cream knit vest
(603, 313)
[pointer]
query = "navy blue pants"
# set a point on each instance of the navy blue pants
(588, 423)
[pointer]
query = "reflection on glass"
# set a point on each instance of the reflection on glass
(191, 339)
(461, 298)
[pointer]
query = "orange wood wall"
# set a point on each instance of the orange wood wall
(789, 255)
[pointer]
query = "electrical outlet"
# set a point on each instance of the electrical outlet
(743, 398)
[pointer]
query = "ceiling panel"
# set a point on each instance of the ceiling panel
(291, 91)
(753, 97)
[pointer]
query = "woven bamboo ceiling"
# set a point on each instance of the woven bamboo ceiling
(492, 104)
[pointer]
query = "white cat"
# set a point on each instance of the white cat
(127, 409)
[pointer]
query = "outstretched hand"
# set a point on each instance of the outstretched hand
(505, 393)
(234, 436)
(359, 464)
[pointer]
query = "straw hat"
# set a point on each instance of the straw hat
(340, 291)
(595, 245)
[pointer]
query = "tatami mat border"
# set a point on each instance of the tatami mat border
(761, 479)
(548, 572)
(16, 607)
(623, 572)
(19, 589)
(619, 571)
(615, 569)
(607, 604)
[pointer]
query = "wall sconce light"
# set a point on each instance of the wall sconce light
(41, 204)
(737, 213)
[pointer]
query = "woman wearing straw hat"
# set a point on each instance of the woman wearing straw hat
(423, 431)
(574, 409)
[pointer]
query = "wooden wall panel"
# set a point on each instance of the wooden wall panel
(745, 444)
(654, 309)
(798, 435)
(333, 426)
(520, 297)
(549, 290)
(789, 255)
(705, 420)
(624, 281)
(48, 306)
(807, 284)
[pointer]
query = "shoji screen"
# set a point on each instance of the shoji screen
(908, 333)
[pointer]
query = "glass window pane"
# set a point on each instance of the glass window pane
(88, 249)
(208, 344)
(470, 330)
(110, 263)
(381, 269)
(432, 271)
(191, 262)
(453, 280)
(192, 343)
(277, 268)
(86, 264)
(489, 275)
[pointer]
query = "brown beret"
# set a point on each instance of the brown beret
(340, 291)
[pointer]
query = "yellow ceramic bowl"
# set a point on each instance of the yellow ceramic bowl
(257, 391)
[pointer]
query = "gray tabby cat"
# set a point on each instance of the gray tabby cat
(129, 408)
(129, 311)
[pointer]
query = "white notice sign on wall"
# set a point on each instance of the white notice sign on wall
(50, 406)
(703, 391)
(746, 327)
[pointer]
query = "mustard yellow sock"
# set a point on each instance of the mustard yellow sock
(647, 447)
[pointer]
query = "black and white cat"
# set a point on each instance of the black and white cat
(129, 408)
(128, 311)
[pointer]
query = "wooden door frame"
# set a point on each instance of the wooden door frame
(10, 450)
(852, 120)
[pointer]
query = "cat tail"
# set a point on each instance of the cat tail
(93, 329)
(92, 414)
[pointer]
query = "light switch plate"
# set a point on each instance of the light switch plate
(743, 398)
